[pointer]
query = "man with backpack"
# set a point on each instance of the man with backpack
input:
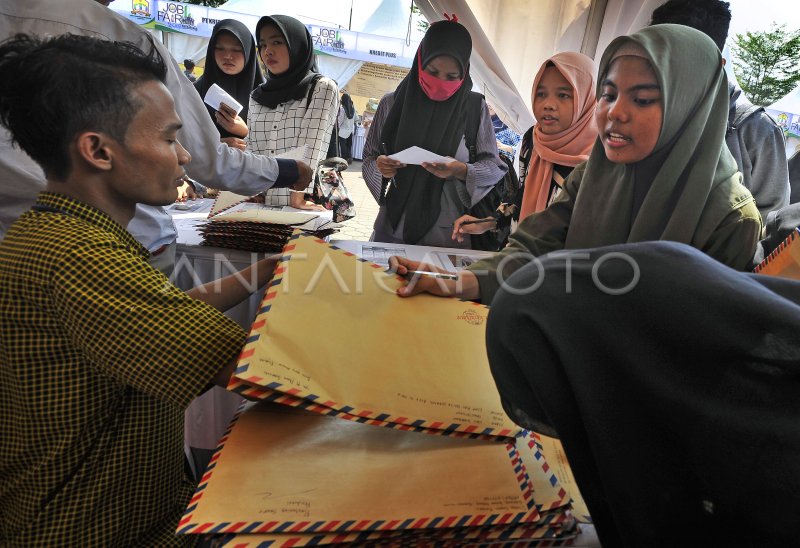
(754, 139)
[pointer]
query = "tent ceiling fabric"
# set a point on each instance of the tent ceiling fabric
(789, 103)
(624, 17)
(184, 46)
(340, 69)
(511, 39)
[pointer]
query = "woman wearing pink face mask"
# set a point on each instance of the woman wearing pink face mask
(428, 109)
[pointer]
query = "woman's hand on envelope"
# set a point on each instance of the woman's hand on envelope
(465, 287)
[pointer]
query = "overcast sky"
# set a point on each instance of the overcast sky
(756, 15)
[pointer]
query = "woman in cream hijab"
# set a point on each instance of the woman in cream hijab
(563, 104)
(560, 138)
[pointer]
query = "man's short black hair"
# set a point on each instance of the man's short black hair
(713, 17)
(53, 89)
(188, 63)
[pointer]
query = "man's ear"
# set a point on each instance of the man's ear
(95, 149)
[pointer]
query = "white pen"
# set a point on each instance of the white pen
(440, 275)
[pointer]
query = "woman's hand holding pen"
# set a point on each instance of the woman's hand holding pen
(467, 224)
(465, 286)
(387, 166)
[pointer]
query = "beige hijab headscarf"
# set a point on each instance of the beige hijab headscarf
(569, 147)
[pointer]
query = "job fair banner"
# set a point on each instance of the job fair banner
(170, 16)
(362, 47)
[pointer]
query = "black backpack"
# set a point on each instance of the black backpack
(504, 191)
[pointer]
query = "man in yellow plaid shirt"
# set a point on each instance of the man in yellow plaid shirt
(94, 375)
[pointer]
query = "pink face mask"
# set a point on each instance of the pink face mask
(434, 88)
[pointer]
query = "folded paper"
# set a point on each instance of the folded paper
(216, 95)
(418, 155)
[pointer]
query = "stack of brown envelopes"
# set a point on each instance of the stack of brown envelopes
(387, 432)
(261, 230)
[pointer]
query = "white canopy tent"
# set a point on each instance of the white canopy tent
(388, 19)
(511, 38)
(786, 112)
(788, 104)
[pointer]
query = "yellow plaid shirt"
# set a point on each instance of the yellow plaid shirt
(98, 361)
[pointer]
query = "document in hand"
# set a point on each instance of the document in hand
(333, 336)
(227, 199)
(417, 155)
(784, 261)
(296, 478)
(216, 95)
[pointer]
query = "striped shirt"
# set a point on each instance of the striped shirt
(457, 196)
(290, 125)
(95, 373)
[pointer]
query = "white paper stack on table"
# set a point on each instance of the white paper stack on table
(258, 229)
(226, 199)
(426, 453)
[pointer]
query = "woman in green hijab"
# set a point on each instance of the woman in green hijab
(659, 170)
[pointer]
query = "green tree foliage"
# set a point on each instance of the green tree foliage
(209, 3)
(767, 63)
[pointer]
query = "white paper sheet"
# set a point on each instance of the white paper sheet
(298, 153)
(416, 155)
(227, 199)
(267, 216)
(216, 95)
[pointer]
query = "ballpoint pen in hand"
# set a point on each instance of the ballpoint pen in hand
(486, 220)
(386, 184)
(439, 275)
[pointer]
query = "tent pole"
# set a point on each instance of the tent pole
(597, 12)
(350, 23)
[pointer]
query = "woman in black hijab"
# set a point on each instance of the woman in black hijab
(231, 64)
(290, 82)
(347, 126)
(429, 110)
(296, 106)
